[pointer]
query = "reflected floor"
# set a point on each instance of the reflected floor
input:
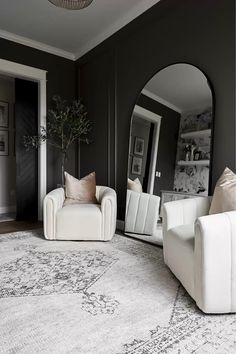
(156, 239)
(7, 217)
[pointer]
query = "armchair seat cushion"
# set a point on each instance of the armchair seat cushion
(180, 258)
(79, 222)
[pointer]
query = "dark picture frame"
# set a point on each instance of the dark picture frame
(4, 114)
(4, 143)
(139, 146)
(136, 168)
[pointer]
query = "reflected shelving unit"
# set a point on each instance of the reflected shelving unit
(194, 163)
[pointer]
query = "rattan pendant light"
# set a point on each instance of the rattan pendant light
(71, 4)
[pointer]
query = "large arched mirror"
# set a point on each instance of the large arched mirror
(170, 147)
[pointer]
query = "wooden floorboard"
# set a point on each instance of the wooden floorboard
(14, 226)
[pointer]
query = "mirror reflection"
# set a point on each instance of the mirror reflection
(169, 148)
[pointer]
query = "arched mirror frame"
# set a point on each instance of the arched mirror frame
(213, 115)
(138, 204)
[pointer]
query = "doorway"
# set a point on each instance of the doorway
(148, 136)
(18, 167)
(24, 72)
(7, 150)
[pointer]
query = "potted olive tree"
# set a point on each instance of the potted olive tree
(66, 123)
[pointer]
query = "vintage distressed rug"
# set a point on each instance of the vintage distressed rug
(116, 297)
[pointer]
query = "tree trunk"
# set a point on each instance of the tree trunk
(63, 169)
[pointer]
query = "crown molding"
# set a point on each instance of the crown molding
(37, 45)
(122, 22)
(161, 100)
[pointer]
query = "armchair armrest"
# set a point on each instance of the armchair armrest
(184, 211)
(215, 262)
(52, 203)
(107, 198)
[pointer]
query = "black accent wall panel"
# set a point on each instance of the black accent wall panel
(26, 123)
(201, 33)
(97, 90)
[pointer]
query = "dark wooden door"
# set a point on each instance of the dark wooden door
(26, 118)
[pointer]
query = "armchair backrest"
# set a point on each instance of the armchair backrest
(142, 212)
(184, 211)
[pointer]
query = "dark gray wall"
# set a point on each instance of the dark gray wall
(60, 80)
(167, 147)
(198, 32)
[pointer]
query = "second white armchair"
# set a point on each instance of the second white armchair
(200, 249)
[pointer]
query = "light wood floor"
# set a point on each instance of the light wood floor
(13, 226)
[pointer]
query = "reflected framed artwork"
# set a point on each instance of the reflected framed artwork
(137, 166)
(4, 143)
(4, 108)
(139, 146)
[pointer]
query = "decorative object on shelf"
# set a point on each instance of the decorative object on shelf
(4, 145)
(4, 114)
(187, 150)
(137, 166)
(197, 155)
(66, 124)
(139, 146)
(193, 149)
(71, 4)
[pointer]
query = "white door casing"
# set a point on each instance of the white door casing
(20, 71)
(156, 119)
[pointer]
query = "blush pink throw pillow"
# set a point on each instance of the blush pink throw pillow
(80, 191)
(224, 197)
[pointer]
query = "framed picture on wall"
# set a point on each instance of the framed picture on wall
(4, 108)
(4, 143)
(137, 166)
(138, 146)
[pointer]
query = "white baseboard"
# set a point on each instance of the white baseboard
(120, 225)
(7, 209)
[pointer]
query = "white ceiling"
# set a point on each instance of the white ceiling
(71, 34)
(182, 86)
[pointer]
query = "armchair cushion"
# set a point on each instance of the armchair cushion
(224, 197)
(79, 222)
(80, 191)
(135, 185)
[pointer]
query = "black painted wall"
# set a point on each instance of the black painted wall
(167, 147)
(110, 77)
(60, 80)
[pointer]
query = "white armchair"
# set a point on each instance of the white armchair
(200, 249)
(142, 212)
(80, 221)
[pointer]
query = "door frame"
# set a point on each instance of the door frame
(156, 120)
(9, 68)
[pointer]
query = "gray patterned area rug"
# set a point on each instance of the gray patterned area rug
(99, 298)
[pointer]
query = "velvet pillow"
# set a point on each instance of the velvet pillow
(224, 197)
(80, 191)
(135, 185)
